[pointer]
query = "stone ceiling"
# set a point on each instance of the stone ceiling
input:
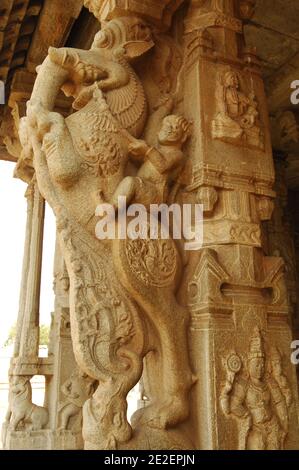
(274, 30)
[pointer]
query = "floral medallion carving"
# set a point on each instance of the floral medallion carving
(152, 261)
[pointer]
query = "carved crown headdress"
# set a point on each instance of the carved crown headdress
(256, 347)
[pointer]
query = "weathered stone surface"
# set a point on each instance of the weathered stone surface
(160, 115)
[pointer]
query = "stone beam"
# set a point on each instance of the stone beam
(17, 23)
(55, 23)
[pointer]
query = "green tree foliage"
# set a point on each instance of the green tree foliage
(11, 336)
(44, 331)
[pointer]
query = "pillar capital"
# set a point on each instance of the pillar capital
(212, 13)
(158, 12)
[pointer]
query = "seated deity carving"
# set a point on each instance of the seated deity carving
(237, 114)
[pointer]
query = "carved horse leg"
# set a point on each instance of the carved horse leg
(169, 322)
(170, 406)
(15, 421)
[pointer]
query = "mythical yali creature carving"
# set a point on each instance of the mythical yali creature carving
(22, 412)
(120, 312)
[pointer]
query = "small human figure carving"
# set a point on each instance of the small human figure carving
(21, 410)
(77, 389)
(238, 114)
(161, 165)
(260, 401)
(277, 373)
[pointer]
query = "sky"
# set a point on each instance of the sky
(13, 209)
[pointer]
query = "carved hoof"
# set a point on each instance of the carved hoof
(173, 411)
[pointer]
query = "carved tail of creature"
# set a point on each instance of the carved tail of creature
(150, 271)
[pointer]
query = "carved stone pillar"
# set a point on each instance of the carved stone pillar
(285, 139)
(293, 199)
(65, 409)
(296, 315)
(24, 420)
(237, 296)
(29, 344)
(283, 229)
(281, 236)
(25, 269)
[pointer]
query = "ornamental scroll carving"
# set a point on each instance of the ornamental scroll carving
(237, 118)
(81, 161)
(258, 397)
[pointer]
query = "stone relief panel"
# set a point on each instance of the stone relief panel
(237, 119)
(76, 391)
(257, 395)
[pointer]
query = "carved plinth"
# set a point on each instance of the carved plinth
(19, 440)
(42, 440)
(67, 440)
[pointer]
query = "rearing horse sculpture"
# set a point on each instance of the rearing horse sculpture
(123, 292)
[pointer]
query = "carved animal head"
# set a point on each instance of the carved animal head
(106, 67)
(19, 383)
(119, 31)
(127, 36)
